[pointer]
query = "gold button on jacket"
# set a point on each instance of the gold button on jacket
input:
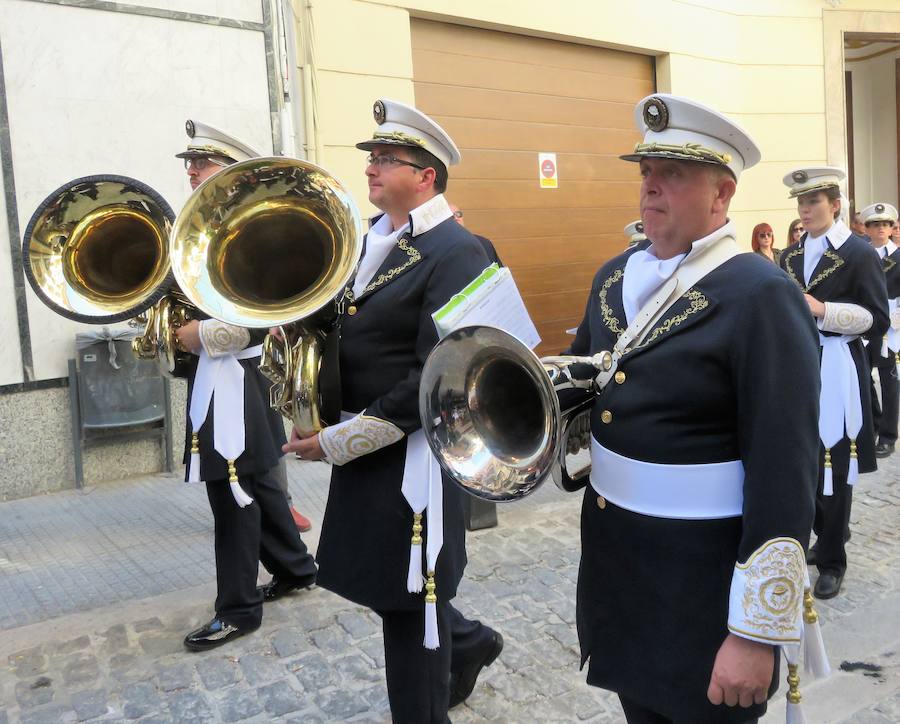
(601, 502)
(351, 310)
(606, 416)
(620, 377)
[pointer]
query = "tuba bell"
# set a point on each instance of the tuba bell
(499, 420)
(96, 250)
(272, 242)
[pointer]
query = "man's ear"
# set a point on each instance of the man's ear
(726, 187)
(429, 176)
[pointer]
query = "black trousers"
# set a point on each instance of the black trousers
(886, 413)
(418, 679)
(637, 714)
(263, 532)
(832, 524)
(468, 638)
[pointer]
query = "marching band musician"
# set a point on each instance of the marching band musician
(703, 463)
(228, 401)
(844, 287)
(393, 535)
(879, 220)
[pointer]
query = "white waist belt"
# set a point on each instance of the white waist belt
(692, 492)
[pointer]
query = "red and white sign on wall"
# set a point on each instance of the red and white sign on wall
(548, 171)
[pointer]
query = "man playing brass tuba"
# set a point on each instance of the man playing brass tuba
(393, 537)
(234, 437)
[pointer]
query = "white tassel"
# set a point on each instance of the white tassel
(828, 485)
(194, 468)
(240, 497)
(414, 578)
(853, 470)
(432, 640)
(815, 658)
(884, 347)
(194, 465)
(794, 711)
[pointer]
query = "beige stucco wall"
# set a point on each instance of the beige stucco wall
(762, 62)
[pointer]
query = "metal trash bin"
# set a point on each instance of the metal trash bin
(114, 395)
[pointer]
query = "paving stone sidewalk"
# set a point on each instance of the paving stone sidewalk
(83, 639)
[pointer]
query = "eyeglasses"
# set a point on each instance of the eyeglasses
(199, 163)
(386, 159)
(765, 233)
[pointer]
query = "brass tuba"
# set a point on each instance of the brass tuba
(96, 250)
(265, 243)
(492, 416)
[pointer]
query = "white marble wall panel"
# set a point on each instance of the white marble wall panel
(92, 92)
(10, 358)
(246, 10)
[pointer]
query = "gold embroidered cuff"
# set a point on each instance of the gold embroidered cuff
(220, 339)
(846, 318)
(766, 601)
(360, 435)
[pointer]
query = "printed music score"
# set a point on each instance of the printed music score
(492, 299)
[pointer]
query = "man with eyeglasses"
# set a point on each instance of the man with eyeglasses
(253, 522)
(393, 536)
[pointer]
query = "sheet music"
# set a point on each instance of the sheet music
(493, 300)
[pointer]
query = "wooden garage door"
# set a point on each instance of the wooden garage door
(504, 98)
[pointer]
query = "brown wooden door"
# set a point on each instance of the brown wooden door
(504, 98)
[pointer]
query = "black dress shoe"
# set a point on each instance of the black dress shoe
(276, 588)
(884, 449)
(828, 585)
(812, 557)
(462, 683)
(213, 634)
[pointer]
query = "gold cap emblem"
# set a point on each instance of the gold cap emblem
(879, 208)
(189, 127)
(800, 177)
(379, 112)
(656, 115)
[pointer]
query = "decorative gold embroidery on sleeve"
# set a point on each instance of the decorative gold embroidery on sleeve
(358, 436)
(698, 302)
(609, 319)
(846, 318)
(766, 599)
(220, 339)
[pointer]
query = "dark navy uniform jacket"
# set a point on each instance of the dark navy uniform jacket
(851, 273)
(386, 335)
(891, 267)
(729, 373)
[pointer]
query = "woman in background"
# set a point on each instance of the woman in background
(795, 231)
(763, 243)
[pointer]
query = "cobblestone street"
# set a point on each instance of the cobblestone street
(97, 591)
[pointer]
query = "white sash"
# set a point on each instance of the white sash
(224, 377)
(840, 406)
(690, 492)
